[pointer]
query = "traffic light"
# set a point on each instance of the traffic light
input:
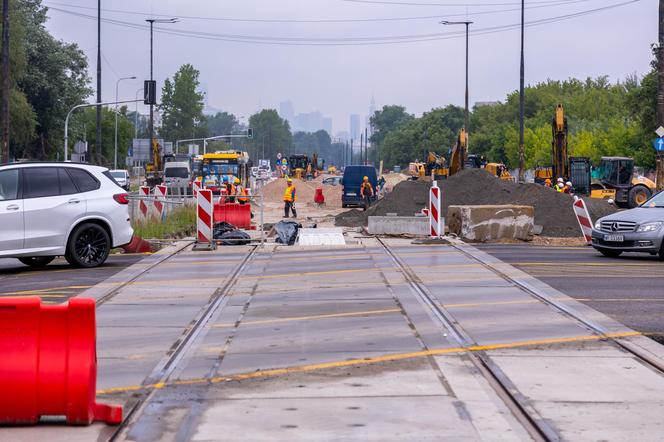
(250, 133)
(150, 92)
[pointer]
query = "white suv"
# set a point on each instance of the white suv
(61, 209)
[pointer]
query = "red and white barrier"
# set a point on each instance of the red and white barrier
(582, 215)
(143, 192)
(204, 218)
(159, 200)
(196, 186)
(435, 218)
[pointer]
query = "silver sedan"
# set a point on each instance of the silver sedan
(637, 230)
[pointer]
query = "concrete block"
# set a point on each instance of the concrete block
(486, 223)
(398, 225)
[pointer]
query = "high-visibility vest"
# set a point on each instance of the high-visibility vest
(243, 196)
(366, 186)
(289, 194)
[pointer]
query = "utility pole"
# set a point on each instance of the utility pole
(366, 146)
(660, 93)
(4, 111)
(99, 109)
(361, 144)
(466, 115)
(152, 21)
(522, 159)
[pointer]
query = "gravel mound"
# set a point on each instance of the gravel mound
(553, 210)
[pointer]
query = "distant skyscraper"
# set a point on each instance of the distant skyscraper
(287, 111)
(355, 126)
(372, 111)
(327, 125)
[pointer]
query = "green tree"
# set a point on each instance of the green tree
(222, 123)
(182, 105)
(272, 134)
(387, 119)
(48, 78)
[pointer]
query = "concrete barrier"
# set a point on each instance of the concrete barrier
(398, 225)
(486, 223)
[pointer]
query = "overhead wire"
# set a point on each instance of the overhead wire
(344, 20)
(345, 41)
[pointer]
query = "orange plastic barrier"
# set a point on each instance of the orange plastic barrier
(233, 213)
(49, 363)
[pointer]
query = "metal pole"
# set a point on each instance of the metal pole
(660, 93)
(98, 139)
(136, 114)
(151, 79)
(4, 112)
(115, 139)
(366, 146)
(522, 159)
(85, 105)
(467, 114)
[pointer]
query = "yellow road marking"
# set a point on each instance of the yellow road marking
(312, 317)
(366, 361)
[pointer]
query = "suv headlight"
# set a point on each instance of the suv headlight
(598, 225)
(650, 227)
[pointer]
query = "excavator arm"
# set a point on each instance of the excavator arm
(458, 155)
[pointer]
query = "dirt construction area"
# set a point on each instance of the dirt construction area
(553, 211)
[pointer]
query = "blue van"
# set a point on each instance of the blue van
(351, 182)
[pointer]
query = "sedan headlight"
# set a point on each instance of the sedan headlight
(650, 227)
(598, 225)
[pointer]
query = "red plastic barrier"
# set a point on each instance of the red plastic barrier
(49, 363)
(137, 245)
(319, 198)
(233, 213)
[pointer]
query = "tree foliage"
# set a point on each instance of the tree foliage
(604, 119)
(182, 106)
(272, 134)
(48, 77)
(221, 123)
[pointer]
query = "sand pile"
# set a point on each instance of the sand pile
(305, 190)
(553, 211)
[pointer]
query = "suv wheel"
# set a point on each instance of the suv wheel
(661, 252)
(610, 253)
(37, 261)
(88, 246)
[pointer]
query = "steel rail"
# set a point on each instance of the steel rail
(572, 314)
(180, 347)
(517, 403)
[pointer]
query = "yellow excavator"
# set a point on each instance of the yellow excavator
(436, 165)
(458, 155)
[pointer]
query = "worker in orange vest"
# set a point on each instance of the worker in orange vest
(366, 192)
(289, 199)
(241, 192)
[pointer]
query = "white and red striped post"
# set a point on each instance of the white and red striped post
(159, 200)
(583, 217)
(196, 186)
(435, 218)
(204, 221)
(143, 192)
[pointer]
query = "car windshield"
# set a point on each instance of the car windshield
(118, 174)
(177, 172)
(655, 201)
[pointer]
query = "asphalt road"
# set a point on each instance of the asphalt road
(58, 281)
(630, 289)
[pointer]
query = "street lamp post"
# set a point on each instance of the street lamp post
(466, 119)
(522, 98)
(136, 113)
(115, 139)
(152, 21)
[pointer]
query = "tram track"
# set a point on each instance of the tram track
(534, 424)
(180, 348)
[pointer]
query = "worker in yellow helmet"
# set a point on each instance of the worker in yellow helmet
(241, 192)
(289, 199)
(366, 192)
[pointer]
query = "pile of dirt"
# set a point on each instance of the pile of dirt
(305, 190)
(553, 211)
(273, 192)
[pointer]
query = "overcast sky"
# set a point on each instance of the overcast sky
(239, 76)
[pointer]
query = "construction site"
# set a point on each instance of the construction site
(212, 268)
